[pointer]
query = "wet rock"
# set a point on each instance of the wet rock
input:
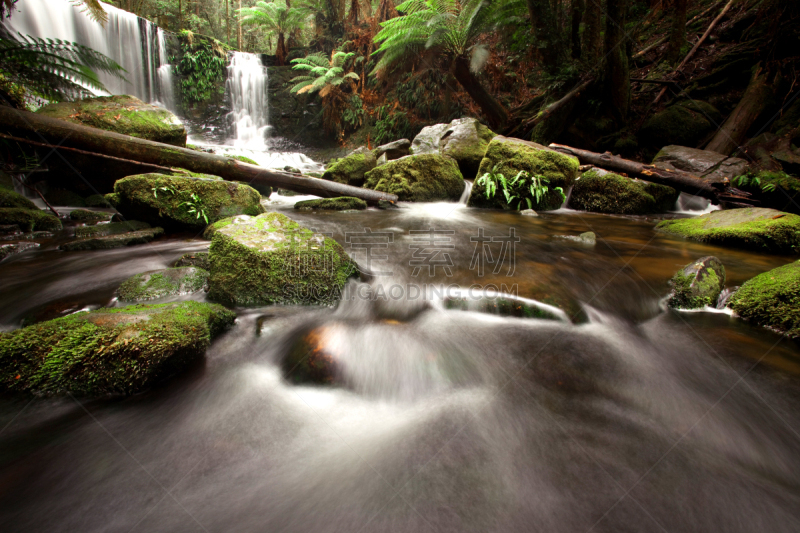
(771, 299)
(64, 198)
(199, 260)
(709, 165)
(89, 217)
(427, 140)
(341, 203)
(698, 284)
(509, 156)
(29, 219)
(310, 361)
(351, 170)
(272, 259)
(7, 250)
(765, 230)
(109, 351)
(293, 170)
(161, 283)
(685, 123)
(97, 200)
(589, 238)
(393, 150)
(615, 194)
(529, 213)
(114, 228)
(418, 178)
(507, 306)
(121, 114)
(9, 198)
(9, 229)
(466, 141)
(113, 241)
(183, 204)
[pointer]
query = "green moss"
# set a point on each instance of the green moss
(765, 230)
(776, 190)
(9, 198)
(161, 283)
(772, 299)
(97, 200)
(466, 140)
(272, 259)
(341, 203)
(244, 159)
(109, 351)
(112, 199)
(418, 178)
(199, 260)
(167, 201)
(29, 219)
(66, 198)
(85, 216)
(685, 124)
(351, 170)
(611, 193)
(698, 284)
(509, 156)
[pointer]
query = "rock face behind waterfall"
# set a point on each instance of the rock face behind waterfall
(698, 284)
(771, 299)
(271, 259)
(183, 204)
(604, 192)
(418, 178)
(109, 351)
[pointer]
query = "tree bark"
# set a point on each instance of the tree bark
(386, 10)
(677, 38)
(577, 15)
(494, 111)
(239, 34)
(54, 131)
(544, 25)
(617, 85)
(592, 31)
(280, 50)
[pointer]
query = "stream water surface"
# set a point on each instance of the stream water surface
(620, 417)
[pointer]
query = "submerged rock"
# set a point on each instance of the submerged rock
(529, 213)
(393, 150)
(351, 170)
(341, 203)
(199, 260)
(29, 219)
(160, 283)
(509, 156)
(7, 250)
(771, 299)
(109, 351)
(106, 242)
(698, 284)
(310, 361)
(754, 228)
(614, 194)
(121, 114)
(588, 238)
(178, 203)
(9, 198)
(705, 164)
(272, 259)
(88, 217)
(466, 141)
(418, 178)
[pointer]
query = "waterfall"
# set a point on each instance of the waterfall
(138, 45)
(247, 86)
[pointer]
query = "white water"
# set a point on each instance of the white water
(688, 204)
(247, 86)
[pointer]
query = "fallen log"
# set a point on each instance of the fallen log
(678, 180)
(53, 131)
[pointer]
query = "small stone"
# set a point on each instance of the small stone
(698, 284)
(529, 213)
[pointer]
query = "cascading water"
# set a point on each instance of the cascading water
(247, 86)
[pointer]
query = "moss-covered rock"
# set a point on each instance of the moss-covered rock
(342, 203)
(418, 178)
(29, 219)
(351, 170)
(9, 198)
(161, 283)
(685, 123)
(65, 198)
(119, 240)
(88, 217)
(466, 141)
(265, 190)
(97, 200)
(698, 284)
(761, 229)
(603, 192)
(114, 228)
(199, 260)
(178, 203)
(121, 114)
(771, 299)
(109, 351)
(509, 156)
(271, 259)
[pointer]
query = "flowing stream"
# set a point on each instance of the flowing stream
(620, 416)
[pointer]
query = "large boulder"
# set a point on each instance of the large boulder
(121, 114)
(418, 178)
(771, 299)
(9, 198)
(161, 283)
(765, 230)
(351, 169)
(393, 150)
(29, 219)
(685, 123)
(698, 284)
(508, 156)
(272, 259)
(427, 140)
(180, 204)
(466, 141)
(604, 192)
(108, 351)
(704, 164)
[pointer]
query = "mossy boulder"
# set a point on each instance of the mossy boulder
(771, 299)
(418, 178)
(466, 141)
(121, 114)
(753, 228)
(685, 123)
(9, 198)
(65, 198)
(698, 284)
(509, 156)
(351, 170)
(161, 283)
(29, 219)
(604, 192)
(174, 202)
(97, 200)
(393, 150)
(89, 217)
(342, 203)
(109, 351)
(272, 259)
(199, 260)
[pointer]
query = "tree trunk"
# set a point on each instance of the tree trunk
(26, 124)
(227, 24)
(546, 32)
(617, 85)
(733, 132)
(677, 40)
(280, 50)
(239, 34)
(352, 18)
(592, 31)
(494, 111)
(386, 10)
(577, 15)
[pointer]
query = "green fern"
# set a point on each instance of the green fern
(323, 73)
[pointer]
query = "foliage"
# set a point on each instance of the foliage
(195, 206)
(391, 124)
(276, 18)
(513, 188)
(753, 181)
(201, 67)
